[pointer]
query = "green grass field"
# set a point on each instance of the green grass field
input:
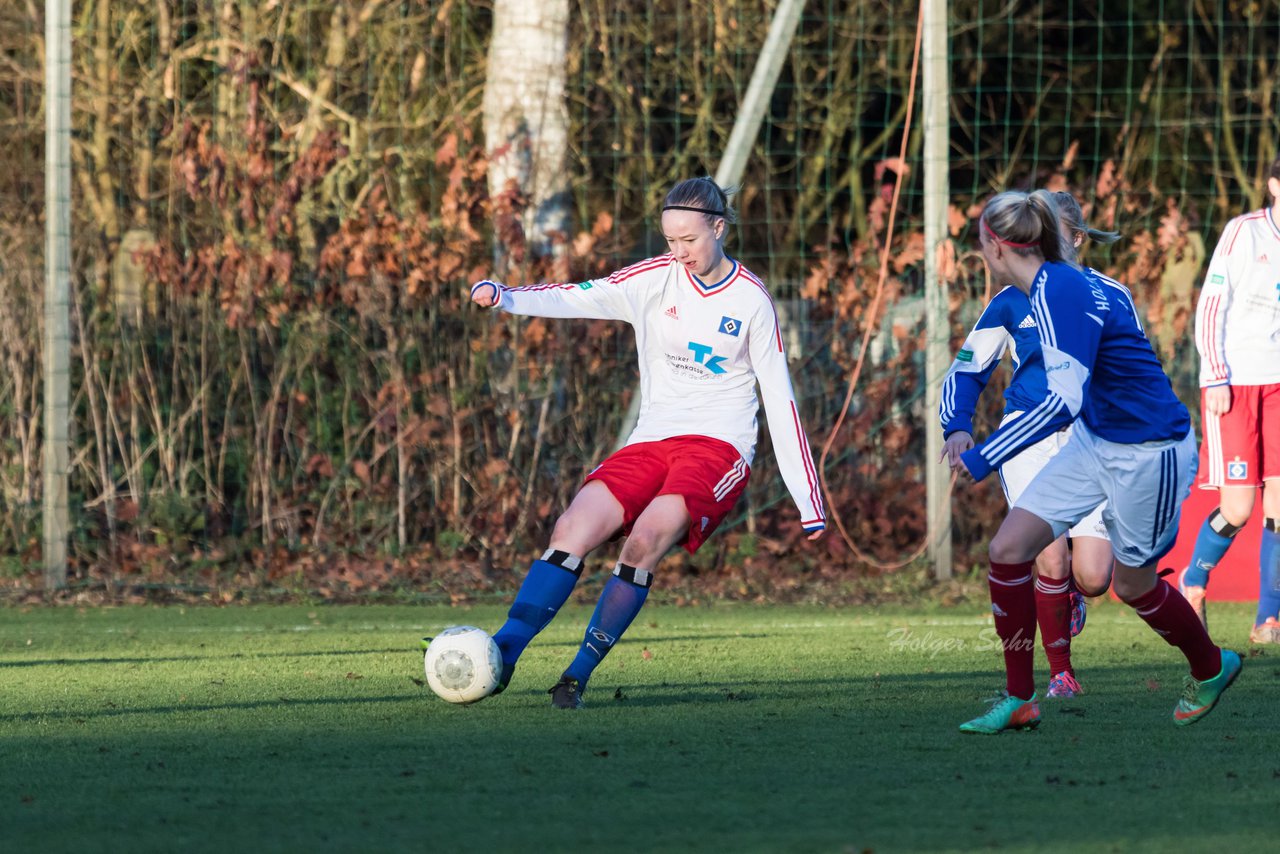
(729, 728)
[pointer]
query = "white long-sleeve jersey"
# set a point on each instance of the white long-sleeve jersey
(702, 349)
(1238, 315)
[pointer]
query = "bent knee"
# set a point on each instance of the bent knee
(576, 535)
(1093, 591)
(1050, 564)
(642, 545)
(1092, 579)
(1009, 550)
(647, 543)
(1236, 506)
(1271, 498)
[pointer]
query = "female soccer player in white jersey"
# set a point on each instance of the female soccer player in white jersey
(1238, 335)
(1131, 446)
(1007, 324)
(706, 333)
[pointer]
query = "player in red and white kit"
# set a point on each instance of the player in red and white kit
(706, 334)
(1238, 336)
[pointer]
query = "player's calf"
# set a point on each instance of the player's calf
(550, 580)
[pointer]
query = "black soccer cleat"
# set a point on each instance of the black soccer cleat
(566, 694)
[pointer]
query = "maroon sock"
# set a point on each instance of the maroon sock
(1013, 603)
(1053, 614)
(1175, 620)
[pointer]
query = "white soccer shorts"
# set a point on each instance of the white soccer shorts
(1144, 487)
(1018, 472)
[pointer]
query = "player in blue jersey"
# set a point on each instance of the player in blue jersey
(1007, 325)
(1092, 558)
(1131, 446)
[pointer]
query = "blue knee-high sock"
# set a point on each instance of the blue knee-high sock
(544, 590)
(1215, 537)
(1269, 579)
(623, 596)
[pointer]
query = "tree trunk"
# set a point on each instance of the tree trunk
(526, 122)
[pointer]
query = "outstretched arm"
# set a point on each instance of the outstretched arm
(599, 299)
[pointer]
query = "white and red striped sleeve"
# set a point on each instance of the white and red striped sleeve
(790, 442)
(610, 298)
(1215, 298)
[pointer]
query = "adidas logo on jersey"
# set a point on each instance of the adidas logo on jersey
(671, 312)
(1028, 322)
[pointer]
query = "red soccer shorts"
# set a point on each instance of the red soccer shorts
(1242, 448)
(709, 474)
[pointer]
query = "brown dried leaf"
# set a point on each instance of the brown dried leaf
(1172, 228)
(1069, 159)
(320, 464)
(1107, 180)
(448, 151)
(912, 252)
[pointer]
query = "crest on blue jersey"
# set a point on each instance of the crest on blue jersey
(1237, 470)
(730, 326)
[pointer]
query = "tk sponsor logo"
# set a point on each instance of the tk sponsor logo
(703, 355)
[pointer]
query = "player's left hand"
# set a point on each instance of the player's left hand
(955, 445)
(1217, 400)
(486, 293)
(816, 535)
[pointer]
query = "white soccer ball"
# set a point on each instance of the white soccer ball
(463, 664)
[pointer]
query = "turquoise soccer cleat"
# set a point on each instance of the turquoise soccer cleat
(1198, 698)
(1007, 712)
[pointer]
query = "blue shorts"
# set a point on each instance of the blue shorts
(1143, 485)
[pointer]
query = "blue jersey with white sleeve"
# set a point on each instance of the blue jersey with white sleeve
(1006, 324)
(1099, 366)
